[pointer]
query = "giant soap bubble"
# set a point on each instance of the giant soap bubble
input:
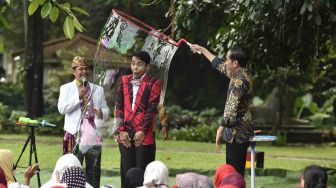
(121, 36)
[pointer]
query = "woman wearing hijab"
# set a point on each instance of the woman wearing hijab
(63, 163)
(221, 172)
(193, 180)
(134, 177)
(74, 177)
(156, 175)
(234, 180)
(6, 163)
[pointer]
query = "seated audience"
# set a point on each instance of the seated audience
(156, 175)
(63, 163)
(134, 177)
(193, 180)
(314, 177)
(221, 172)
(74, 177)
(234, 180)
(6, 163)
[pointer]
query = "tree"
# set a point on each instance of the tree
(33, 69)
(277, 33)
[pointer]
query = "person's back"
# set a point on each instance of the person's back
(314, 177)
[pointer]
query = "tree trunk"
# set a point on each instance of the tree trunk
(173, 19)
(33, 71)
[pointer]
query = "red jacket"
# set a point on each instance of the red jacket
(145, 108)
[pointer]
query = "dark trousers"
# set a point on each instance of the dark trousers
(236, 156)
(92, 160)
(135, 157)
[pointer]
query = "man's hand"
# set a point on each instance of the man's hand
(219, 136)
(164, 133)
(138, 138)
(125, 139)
(30, 172)
(196, 48)
(82, 92)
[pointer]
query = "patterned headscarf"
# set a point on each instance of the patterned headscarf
(193, 180)
(3, 180)
(234, 179)
(221, 172)
(63, 163)
(6, 163)
(156, 175)
(74, 177)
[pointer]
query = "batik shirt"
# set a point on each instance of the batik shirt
(237, 119)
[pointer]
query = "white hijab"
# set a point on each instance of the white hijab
(64, 162)
(156, 173)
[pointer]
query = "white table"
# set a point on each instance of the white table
(258, 138)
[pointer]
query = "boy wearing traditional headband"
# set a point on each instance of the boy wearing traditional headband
(137, 101)
(85, 109)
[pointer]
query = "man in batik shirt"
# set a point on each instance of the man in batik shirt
(236, 127)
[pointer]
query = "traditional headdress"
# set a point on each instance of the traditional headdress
(79, 61)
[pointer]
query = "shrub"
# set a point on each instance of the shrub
(12, 95)
(192, 125)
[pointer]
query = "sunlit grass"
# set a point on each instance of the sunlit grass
(179, 156)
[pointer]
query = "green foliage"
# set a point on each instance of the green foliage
(1, 44)
(317, 114)
(15, 115)
(201, 133)
(11, 102)
(274, 32)
(192, 125)
(324, 83)
(33, 5)
(11, 117)
(12, 95)
(68, 27)
(82, 11)
(178, 117)
(46, 9)
(4, 112)
(54, 13)
(281, 138)
(3, 24)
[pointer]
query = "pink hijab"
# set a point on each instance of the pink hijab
(221, 172)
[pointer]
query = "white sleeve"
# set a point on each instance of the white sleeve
(17, 185)
(67, 102)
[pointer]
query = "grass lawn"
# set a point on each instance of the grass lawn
(181, 157)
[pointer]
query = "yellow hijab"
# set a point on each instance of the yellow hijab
(6, 163)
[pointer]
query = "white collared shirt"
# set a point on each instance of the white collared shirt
(135, 91)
